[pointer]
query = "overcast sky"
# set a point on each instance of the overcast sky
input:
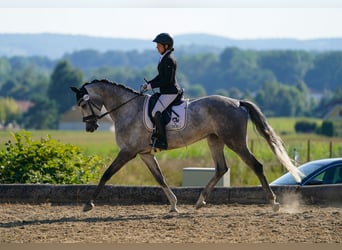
(140, 19)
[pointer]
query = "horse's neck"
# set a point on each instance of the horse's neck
(116, 95)
(119, 99)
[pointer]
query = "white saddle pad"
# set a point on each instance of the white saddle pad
(176, 122)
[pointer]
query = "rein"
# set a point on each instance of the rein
(98, 117)
(116, 108)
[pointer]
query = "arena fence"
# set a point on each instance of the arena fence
(78, 194)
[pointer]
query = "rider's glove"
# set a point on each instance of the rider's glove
(147, 86)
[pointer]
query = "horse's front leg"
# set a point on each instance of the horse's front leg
(153, 166)
(122, 158)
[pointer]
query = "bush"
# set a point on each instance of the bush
(327, 128)
(305, 126)
(45, 161)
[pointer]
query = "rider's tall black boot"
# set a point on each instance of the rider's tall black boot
(161, 132)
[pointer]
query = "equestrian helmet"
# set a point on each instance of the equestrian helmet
(164, 38)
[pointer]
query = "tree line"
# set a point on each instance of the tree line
(279, 81)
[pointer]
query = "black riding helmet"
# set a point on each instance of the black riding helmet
(164, 38)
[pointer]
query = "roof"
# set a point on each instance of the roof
(334, 114)
(24, 105)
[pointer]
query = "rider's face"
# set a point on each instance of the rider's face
(161, 48)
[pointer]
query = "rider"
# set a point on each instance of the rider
(167, 84)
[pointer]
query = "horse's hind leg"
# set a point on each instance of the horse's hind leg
(153, 166)
(216, 148)
(257, 167)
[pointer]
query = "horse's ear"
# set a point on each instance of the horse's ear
(76, 90)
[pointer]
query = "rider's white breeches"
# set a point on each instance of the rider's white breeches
(163, 102)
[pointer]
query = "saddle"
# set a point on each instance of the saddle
(173, 116)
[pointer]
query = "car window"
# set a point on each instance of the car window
(331, 175)
(319, 179)
(338, 175)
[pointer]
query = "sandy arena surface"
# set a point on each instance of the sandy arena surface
(232, 223)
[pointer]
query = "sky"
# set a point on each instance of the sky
(237, 19)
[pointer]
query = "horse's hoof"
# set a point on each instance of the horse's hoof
(275, 207)
(174, 210)
(88, 206)
(200, 204)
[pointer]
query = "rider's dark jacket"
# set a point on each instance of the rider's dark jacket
(166, 78)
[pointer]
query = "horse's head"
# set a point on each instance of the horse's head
(90, 107)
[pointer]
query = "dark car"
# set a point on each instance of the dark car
(325, 171)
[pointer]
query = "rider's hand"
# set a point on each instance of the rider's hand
(147, 86)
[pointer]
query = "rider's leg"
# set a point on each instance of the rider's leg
(163, 102)
(160, 133)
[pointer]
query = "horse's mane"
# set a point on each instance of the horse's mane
(105, 81)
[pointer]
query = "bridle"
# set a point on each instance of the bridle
(94, 117)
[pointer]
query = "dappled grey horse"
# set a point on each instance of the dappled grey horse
(221, 120)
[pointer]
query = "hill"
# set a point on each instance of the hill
(324, 44)
(56, 45)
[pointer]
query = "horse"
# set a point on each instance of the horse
(219, 119)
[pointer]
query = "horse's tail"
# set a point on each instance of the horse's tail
(271, 137)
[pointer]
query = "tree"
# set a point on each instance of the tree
(62, 78)
(195, 90)
(43, 115)
(288, 66)
(9, 110)
(240, 69)
(125, 75)
(24, 79)
(280, 100)
(326, 73)
(200, 68)
(9, 88)
(305, 105)
(85, 59)
(5, 68)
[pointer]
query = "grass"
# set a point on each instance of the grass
(172, 162)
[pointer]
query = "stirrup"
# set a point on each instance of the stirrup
(154, 149)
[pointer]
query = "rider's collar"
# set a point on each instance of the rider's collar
(166, 51)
